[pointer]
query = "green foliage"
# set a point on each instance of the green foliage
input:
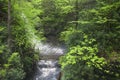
(89, 28)
(54, 18)
(81, 60)
(24, 19)
(13, 69)
(14, 60)
(24, 31)
(25, 22)
(15, 72)
(93, 46)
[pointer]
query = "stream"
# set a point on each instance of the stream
(48, 67)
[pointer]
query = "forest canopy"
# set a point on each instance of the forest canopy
(89, 28)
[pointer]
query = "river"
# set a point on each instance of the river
(48, 67)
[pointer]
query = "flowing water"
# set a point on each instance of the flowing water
(48, 67)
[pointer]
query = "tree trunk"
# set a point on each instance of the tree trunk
(60, 75)
(8, 25)
(76, 13)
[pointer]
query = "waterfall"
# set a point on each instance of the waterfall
(48, 67)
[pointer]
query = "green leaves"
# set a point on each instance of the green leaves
(24, 19)
(93, 43)
(66, 9)
(12, 69)
(3, 73)
(1, 28)
(79, 54)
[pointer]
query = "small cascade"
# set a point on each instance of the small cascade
(47, 70)
(48, 67)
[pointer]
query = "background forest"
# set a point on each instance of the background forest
(89, 28)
